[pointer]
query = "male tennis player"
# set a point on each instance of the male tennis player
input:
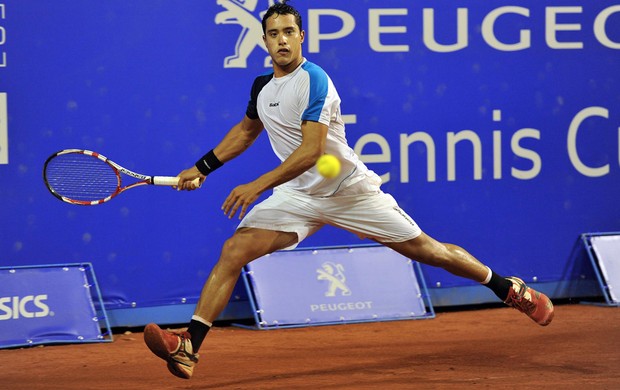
(300, 108)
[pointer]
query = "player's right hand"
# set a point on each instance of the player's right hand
(186, 178)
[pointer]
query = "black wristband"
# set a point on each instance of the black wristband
(208, 163)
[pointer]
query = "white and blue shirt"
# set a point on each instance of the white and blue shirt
(306, 94)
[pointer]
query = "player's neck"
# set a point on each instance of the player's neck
(281, 71)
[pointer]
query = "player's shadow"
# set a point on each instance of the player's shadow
(458, 362)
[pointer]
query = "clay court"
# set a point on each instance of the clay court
(482, 348)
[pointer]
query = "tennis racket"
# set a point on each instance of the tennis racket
(88, 178)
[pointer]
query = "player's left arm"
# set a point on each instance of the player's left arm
(314, 136)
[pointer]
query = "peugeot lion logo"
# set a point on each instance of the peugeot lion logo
(241, 12)
(334, 274)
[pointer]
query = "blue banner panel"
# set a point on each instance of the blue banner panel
(310, 287)
(604, 252)
(52, 304)
(494, 124)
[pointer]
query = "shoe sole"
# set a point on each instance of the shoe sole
(174, 370)
(155, 341)
(549, 318)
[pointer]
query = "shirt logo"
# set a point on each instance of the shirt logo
(274, 104)
(241, 12)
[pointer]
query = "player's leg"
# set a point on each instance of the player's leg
(452, 258)
(180, 349)
(458, 261)
(376, 215)
(245, 245)
(278, 222)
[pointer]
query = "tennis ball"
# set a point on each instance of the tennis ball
(328, 166)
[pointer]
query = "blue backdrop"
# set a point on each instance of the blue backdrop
(495, 124)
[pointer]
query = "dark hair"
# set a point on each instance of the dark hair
(282, 9)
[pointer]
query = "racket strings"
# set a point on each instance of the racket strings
(81, 177)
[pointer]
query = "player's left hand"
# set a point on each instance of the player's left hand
(241, 197)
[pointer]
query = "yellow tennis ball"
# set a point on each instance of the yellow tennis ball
(328, 166)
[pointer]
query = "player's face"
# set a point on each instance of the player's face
(283, 40)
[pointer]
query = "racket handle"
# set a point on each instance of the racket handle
(172, 181)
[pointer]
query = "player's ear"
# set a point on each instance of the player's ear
(302, 34)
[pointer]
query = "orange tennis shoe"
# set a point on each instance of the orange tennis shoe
(535, 304)
(175, 348)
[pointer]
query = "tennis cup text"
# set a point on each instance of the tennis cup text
(30, 306)
(488, 145)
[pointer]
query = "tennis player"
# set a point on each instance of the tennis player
(299, 107)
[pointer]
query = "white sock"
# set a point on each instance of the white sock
(200, 319)
(488, 278)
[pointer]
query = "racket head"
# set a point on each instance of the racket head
(81, 177)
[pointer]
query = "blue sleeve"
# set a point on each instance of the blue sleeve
(317, 90)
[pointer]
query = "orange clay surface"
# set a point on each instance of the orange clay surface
(484, 348)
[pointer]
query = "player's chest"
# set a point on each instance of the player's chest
(281, 102)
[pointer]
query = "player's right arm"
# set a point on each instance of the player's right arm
(238, 139)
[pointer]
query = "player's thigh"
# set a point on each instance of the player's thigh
(284, 212)
(376, 216)
(422, 248)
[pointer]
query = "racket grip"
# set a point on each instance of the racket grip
(172, 181)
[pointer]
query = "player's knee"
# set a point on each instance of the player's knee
(239, 250)
(236, 253)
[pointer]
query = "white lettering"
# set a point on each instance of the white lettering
(384, 157)
(341, 306)
(7, 310)
(22, 306)
(571, 142)
(520, 151)
(497, 154)
(14, 307)
(375, 29)
(599, 27)
(421, 145)
(552, 27)
(314, 39)
(428, 22)
(2, 42)
(44, 308)
(453, 139)
(488, 29)
(4, 129)
(555, 26)
(497, 147)
(427, 140)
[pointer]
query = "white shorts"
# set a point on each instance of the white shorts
(362, 209)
